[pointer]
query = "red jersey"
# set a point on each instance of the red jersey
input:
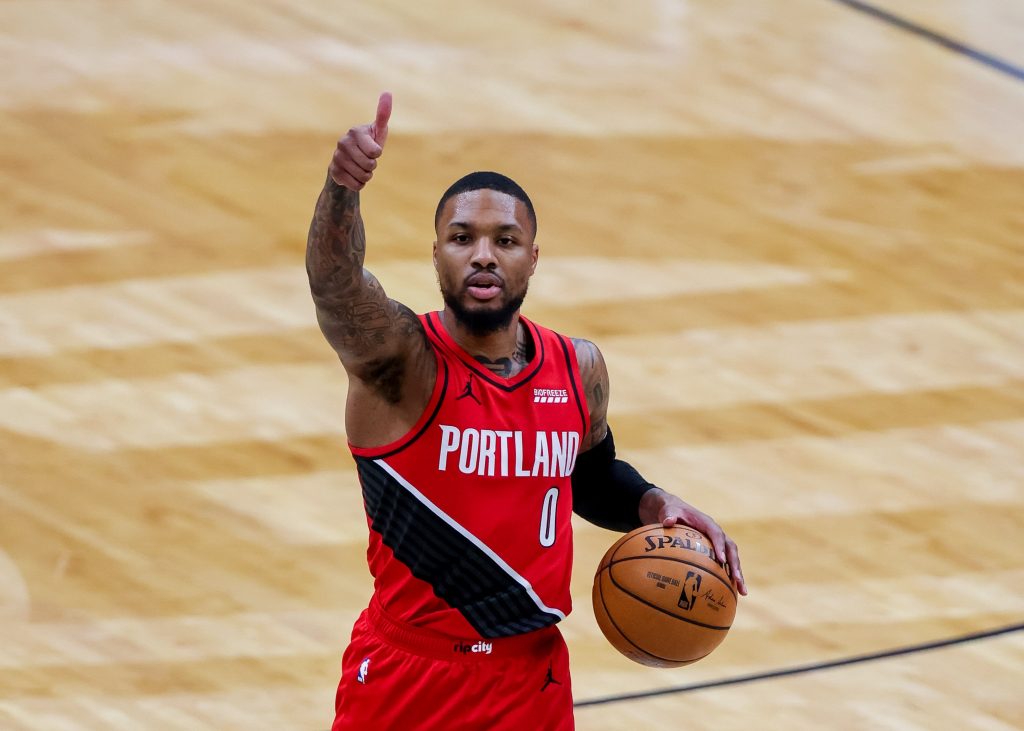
(469, 512)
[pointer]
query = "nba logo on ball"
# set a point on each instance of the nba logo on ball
(661, 598)
(691, 585)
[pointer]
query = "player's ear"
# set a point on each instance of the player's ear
(533, 259)
(434, 255)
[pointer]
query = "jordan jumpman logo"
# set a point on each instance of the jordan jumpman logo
(468, 391)
(549, 680)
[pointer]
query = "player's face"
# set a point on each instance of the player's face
(484, 256)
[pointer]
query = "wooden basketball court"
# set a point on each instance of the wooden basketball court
(795, 230)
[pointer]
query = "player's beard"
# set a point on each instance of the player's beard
(484, 321)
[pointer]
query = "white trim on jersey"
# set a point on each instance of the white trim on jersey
(471, 538)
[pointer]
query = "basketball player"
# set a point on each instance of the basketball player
(476, 433)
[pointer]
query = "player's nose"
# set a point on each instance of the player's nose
(483, 252)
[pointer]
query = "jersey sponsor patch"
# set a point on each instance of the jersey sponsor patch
(550, 396)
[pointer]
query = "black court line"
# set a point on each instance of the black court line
(993, 62)
(801, 669)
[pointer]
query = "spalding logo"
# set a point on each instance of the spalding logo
(655, 543)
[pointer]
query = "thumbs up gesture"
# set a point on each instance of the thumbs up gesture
(355, 158)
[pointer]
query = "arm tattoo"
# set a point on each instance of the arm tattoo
(594, 374)
(372, 334)
(336, 244)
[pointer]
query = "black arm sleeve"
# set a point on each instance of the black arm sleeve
(607, 491)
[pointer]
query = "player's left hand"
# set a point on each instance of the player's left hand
(658, 506)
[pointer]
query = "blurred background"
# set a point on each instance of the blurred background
(796, 230)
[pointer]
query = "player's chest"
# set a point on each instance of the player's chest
(486, 430)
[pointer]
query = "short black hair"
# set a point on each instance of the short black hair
(485, 179)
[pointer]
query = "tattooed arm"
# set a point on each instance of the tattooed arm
(609, 492)
(380, 342)
(368, 330)
(594, 374)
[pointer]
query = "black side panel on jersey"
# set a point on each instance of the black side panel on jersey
(462, 574)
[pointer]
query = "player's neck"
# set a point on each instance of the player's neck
(504, 352)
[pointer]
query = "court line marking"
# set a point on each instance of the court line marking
(809, 668)
(987, 59)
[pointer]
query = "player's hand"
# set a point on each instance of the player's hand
(355, 158)
(658, 506)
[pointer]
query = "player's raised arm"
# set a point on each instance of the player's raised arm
(371, 333)
(610, 493)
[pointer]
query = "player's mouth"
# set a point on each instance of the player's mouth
(484, 286)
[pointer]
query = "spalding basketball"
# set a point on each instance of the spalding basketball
(661, 598)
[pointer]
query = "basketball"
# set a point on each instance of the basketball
(661, 598)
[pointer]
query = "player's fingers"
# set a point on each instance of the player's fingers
(384, 104)
(380, 123)
(348, 148)
(362, 138)
(717, 536)
(349, 166)
(733, 553)
(346, 181)
(341, 177)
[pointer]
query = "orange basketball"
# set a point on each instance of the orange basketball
(661, 599)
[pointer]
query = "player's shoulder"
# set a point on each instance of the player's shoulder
(588, 355)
